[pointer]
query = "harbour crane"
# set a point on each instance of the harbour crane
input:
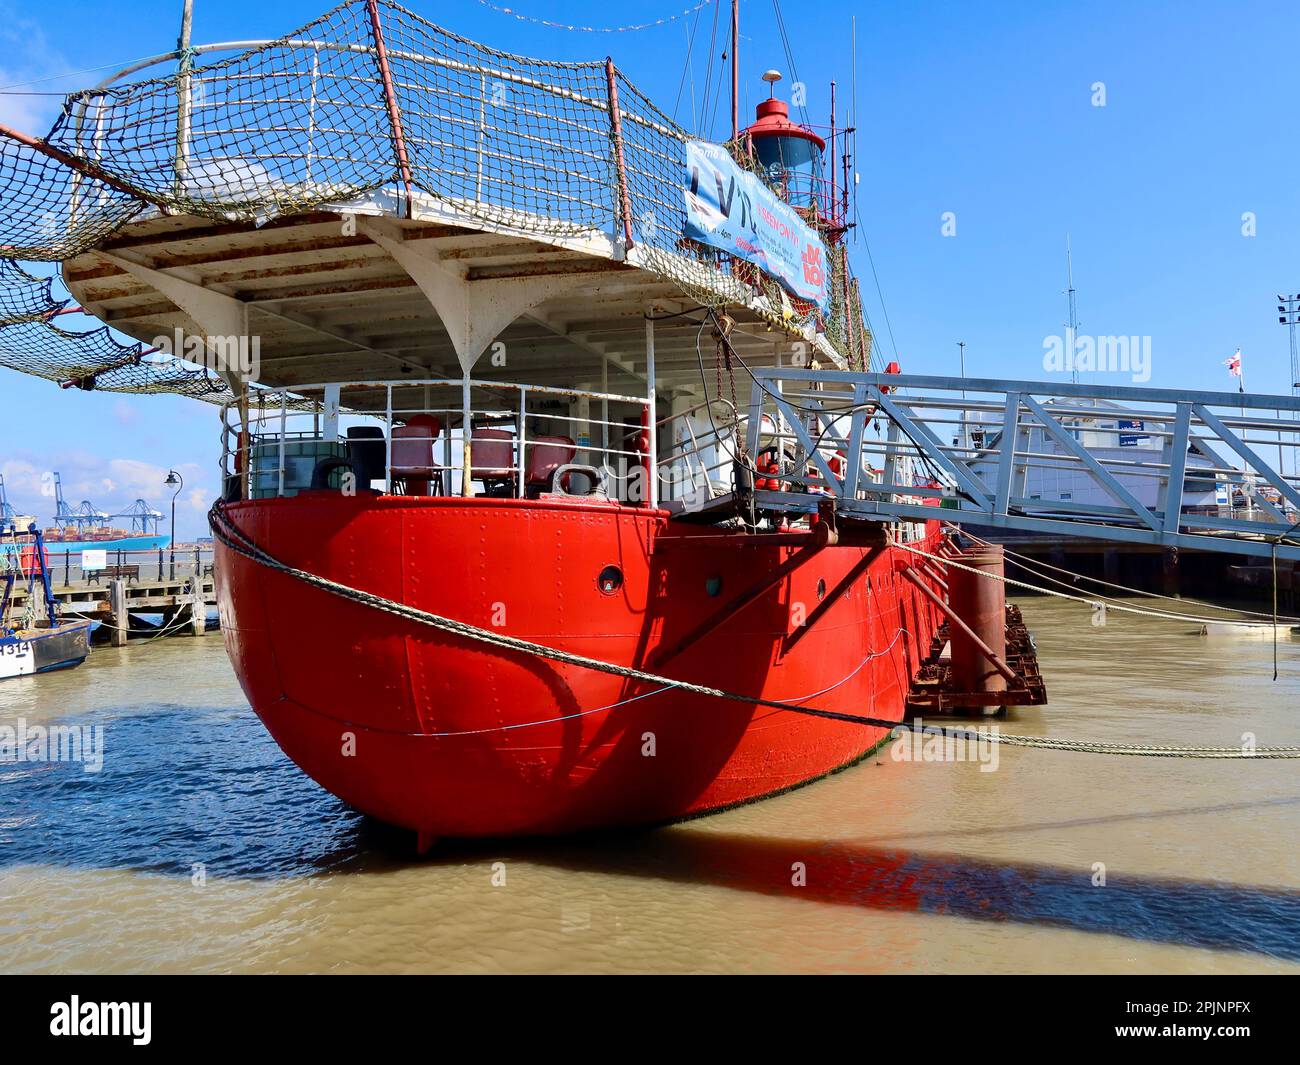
(84, 515)
(7, 513)
(144, 520)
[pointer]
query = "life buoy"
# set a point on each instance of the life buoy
(768, 463)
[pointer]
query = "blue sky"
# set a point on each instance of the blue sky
(980, 109)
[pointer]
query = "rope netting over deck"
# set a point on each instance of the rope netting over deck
(371, 101)
(30, 341)
(25, 297)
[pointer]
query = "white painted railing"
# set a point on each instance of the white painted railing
(409, 437)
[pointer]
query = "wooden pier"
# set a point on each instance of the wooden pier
(183, 603)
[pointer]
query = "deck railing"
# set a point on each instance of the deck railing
(96, 567)
(409, 437)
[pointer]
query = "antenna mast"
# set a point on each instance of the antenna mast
(1072, 326)
(831, 204)
(1288, 314)
(853, 124)
(735, 70)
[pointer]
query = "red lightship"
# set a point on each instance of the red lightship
(512, 538)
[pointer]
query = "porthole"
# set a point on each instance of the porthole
(821, 588)
(610, 580)
(713, 585)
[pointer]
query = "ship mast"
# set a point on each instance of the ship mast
(735, 70)
(185, 61)
(830, 206)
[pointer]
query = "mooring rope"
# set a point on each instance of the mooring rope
(1106, 601)
(237, 541)
(1033, 566)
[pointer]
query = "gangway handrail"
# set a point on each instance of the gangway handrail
(1119, 393)
(1126, 491)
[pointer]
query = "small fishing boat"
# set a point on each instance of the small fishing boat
(36, 644)
(27, 651)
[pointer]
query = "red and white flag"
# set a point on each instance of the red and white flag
(1234, 363)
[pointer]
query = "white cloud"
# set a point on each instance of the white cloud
(29, 58)
(199, 500)
(124, 413)
(110, 484)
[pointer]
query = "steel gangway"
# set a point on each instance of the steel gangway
(1166, 467)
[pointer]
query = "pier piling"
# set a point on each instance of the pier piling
(117, 606)
(198, 609)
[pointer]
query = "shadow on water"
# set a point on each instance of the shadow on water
(847, 873)
(175, 791)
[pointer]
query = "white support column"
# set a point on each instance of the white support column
(388, 441)
(220, 318)
(333, 402)
(284, 420)
(466, 432)
(446, 451)
(652, 489)
(604, 412)
(221, 322)
(582, 427)
(522, 441)
(473, 312)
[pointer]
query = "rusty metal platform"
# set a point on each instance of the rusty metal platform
(932, 688)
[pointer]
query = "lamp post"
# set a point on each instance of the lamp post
(965, 433)
(1288, 314)
(173, 478)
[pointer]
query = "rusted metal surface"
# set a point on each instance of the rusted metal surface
(620, 166)
(963, 629)
(977, 596)
(310, 270)
(933, 688)
(390, 100)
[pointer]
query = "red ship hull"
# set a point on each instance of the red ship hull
(452, 737)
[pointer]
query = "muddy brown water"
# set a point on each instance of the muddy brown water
(200, 847)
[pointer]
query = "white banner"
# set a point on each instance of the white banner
(732, 210)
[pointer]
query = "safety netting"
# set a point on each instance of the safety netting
(33, 341)
(25, 297)
(368, 101)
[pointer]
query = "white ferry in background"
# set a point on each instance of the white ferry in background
(1115, 438)
(1127, 446)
